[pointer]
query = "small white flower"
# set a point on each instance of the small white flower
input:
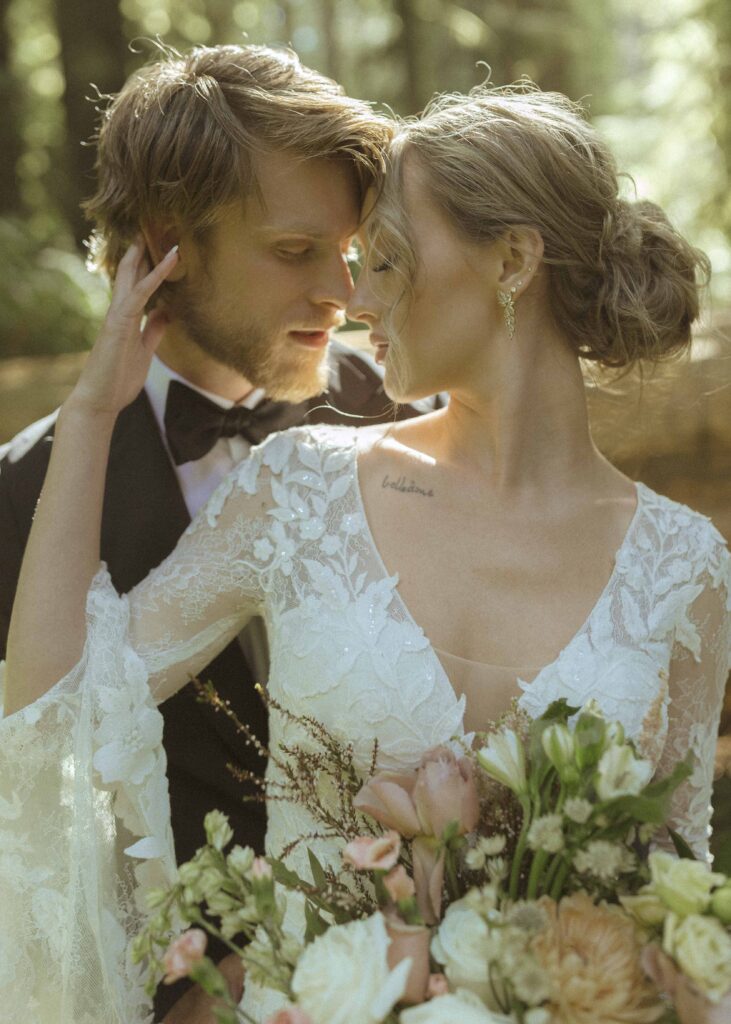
(620, 773)
(475, 859)
(531, 983)
(577, 809)
(537, 1015)
(330, 544)
(492, 845)
(545, 833)
(503, 758)
(497, 869)
(218, 830)
(263, 549)
(603, 859)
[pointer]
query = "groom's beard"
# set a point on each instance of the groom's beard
(265, 356)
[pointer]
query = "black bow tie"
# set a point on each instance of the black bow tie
(193, 423)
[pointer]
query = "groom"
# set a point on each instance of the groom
(256, 167)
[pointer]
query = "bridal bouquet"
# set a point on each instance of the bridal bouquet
(509, 883)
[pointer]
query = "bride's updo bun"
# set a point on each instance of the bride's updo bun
(624, 284)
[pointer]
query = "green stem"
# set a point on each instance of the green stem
(559, 880)
(451, 872)
(536, 868)
(520, 850)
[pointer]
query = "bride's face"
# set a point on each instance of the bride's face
(431, 333)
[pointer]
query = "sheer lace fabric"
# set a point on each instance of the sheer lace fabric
(83, 800)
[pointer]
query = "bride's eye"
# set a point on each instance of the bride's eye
(381, 267)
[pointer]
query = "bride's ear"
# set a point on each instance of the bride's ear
(159, 240)
(522, 252)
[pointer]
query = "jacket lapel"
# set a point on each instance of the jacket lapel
(144, 510)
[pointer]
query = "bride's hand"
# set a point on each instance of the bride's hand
(115, 372)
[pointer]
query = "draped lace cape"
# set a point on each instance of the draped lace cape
(84, 812)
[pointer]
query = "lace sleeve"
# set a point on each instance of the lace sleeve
(84, 809)
(698, 673)
(208, 588)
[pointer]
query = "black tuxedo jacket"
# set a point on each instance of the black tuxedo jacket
(144, 515)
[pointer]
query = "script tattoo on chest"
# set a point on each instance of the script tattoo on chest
(401, 484)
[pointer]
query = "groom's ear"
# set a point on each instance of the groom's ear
(160, 238)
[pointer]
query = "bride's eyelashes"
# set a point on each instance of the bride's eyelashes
(384, 265)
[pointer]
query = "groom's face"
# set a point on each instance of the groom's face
(263, 290)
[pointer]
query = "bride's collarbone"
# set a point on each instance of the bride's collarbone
(487, 582)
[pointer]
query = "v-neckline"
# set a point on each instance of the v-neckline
(625, 542)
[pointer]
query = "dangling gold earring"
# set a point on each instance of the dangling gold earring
(506, 301)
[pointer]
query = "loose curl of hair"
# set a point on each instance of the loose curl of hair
(624, 284)
(179, 141)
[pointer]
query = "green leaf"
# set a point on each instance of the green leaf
(681, 847)
(285, 876)
(558, 711)
(318, 873)
(316, 924)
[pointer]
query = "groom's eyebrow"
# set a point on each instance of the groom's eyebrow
(309, 230)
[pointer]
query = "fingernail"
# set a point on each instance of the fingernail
(172, 252)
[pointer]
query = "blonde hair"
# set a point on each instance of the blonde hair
(624, 285)
(177, 142)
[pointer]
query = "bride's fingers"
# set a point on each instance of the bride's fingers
(148, 285)
(154, 328)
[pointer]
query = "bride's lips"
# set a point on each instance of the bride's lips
(381, 346)
(311, 339)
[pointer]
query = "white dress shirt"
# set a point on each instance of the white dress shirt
(199, 479)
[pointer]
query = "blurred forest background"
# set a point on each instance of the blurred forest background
(655, 78)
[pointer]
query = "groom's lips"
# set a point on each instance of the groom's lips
(311, 339)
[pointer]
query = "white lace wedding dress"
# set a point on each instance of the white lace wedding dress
(84, 816)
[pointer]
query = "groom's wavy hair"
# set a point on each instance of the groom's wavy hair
(623, 283)
(179, 141)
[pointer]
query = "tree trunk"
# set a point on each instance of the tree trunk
(410, 53)
(93, 56)
(11, 145)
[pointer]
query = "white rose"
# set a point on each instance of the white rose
(343, 976)
(463, 1007)
(620, 773)
(684, 886)
(702, 948)
(465, 946)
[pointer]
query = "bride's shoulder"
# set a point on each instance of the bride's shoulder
(681, 530)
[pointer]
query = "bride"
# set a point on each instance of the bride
(414, 579)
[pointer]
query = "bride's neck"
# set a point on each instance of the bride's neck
(526, 427)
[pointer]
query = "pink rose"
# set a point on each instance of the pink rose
(412, 941)
(428, 856)
(398, 884)
(387, 798)
(369, 854)
(437, 986)
(290, 1015)
(183, 954)
(445, 791)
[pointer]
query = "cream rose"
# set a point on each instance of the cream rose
(343, 976)
(620, 773)
(702, 948)
(464, 1007)
(465, 946)
(684, 886)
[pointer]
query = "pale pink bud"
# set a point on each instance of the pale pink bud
(261, 869)
(290, 1015)
(437, 986)
(387, 798)
(428, 857)
(444, 792)
(399, 885)
(183, 954)
(369, 854)
(412, 941)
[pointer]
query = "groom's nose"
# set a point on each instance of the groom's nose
(334, 284)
